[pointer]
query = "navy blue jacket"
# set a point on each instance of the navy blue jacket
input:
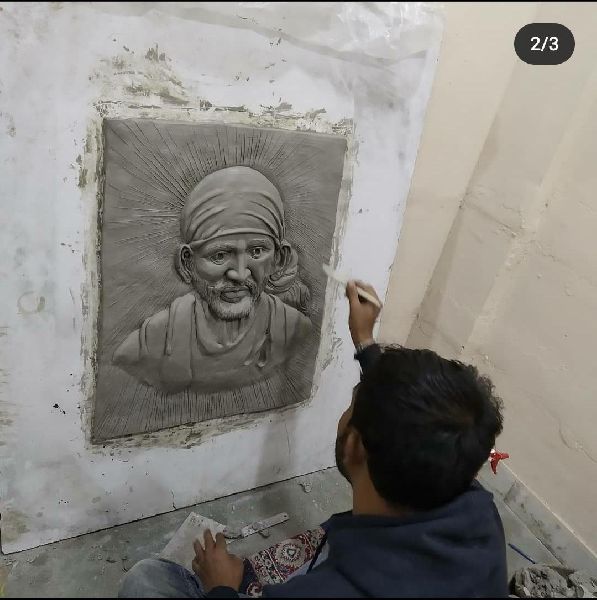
(457, 550)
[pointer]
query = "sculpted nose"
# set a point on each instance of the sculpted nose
(239, 272)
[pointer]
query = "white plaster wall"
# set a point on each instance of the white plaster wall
(65, 66)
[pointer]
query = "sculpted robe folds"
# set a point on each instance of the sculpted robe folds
(185, 346)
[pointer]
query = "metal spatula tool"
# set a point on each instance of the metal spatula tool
(243, 532)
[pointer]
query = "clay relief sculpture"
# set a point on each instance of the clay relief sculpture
(232, 328)
(211, 244)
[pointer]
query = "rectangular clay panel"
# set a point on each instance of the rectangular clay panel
(212, 240)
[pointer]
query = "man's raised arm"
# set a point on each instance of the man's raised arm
(361, 319)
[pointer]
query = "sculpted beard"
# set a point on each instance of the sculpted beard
(228, 311)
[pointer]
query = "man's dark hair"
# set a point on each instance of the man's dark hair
(428, 425)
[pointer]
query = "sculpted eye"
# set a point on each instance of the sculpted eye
(257, 251)
(218, 258)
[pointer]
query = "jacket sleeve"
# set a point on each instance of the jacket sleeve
(368, 357)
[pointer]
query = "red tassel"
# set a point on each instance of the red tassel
(495, 457)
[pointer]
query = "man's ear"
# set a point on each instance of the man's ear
(354, 451)
(184, 263)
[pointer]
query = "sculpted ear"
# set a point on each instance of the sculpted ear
(184, 263)
(284, 257)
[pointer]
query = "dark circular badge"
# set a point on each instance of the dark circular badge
(544, 43)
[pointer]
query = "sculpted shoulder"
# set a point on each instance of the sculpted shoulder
(297, 325)
(149, 341)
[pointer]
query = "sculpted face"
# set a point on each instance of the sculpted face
(232, 228)
(230, 272)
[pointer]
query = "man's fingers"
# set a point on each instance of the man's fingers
(220, 541)
(209, 540)
(351, 293)
(367, 288)
(198, 549)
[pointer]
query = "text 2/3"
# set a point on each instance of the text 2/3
(538, 46)
(544, 43)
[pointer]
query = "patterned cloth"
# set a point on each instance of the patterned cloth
(278, 562)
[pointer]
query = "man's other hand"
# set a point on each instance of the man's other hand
(214, 566)
(363, 313)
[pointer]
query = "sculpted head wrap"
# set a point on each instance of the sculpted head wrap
(231, 201)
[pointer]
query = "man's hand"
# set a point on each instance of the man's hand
(214, 566)
(363, 313)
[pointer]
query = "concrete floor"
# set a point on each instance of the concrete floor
(92, 565)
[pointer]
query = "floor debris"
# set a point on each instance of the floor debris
(551, 581)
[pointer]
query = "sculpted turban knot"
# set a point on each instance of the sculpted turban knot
(242, 200)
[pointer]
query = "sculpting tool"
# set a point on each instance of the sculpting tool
(342, 279)
(233, 534)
